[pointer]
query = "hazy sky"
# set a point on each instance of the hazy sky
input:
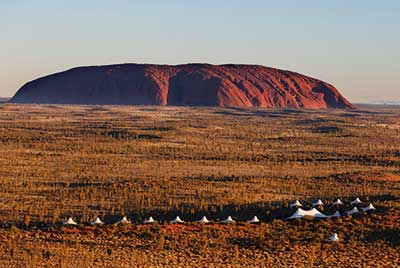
(354, 45)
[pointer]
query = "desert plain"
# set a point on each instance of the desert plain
(61, 161)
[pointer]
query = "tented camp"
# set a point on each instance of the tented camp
(254, 220)
(124, 220)
(353, 211)
(301, 213)
(336, 215)
(338, 202)
(176, 220)
(70, 221)
(295, 204)
(318, 203)
(370, 207)
(228, 220)
(149, 220)
(203, 220)
(356, 201)
(334, 238)
(97, 221)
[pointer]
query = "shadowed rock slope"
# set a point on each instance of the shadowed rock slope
(190, 84)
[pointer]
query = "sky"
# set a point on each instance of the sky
(354, 45)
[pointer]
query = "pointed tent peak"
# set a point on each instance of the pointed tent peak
(70, 221)
(337, 202)
(334, 238)
(176, 220)
(96, 221)
(149, 220)
(318, 203)
(124, 220)
(203, 220)
(316, 212)
(228, 220)
(301, 213)
(298, 214)
(356, 201)
(296, 204)
(370, 207)
(336, 214)
(254, 220)
(353, 211)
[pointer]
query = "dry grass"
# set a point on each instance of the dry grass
(57, 161)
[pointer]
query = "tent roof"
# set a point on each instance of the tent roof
(96, 221)
(334, 237)
(336, 214)
(149, 220)
(295, 204)
(318, 203)
(177, 220)
(124, 220)
(70, 221)
(338, 202)
(353, 211)
(356, 201)
(203, 220)
(254, 220)
(301, 213)
(228, 220)
(370, 207)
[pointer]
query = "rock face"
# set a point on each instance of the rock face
(190, 84)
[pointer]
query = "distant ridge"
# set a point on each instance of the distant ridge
(227, 85)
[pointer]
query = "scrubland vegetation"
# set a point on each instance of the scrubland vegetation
(107, 161)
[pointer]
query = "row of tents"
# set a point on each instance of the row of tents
(150, 220)
(319, 202)
(124, 220)
(299, 213)
(315, 213)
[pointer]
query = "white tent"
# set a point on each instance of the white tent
(318, 203)
(338, 202)
(149, 220)
(334, 238)
(176, 220)
(356, 201)
(336, 215)
(124, 220)
(296, 204)
(228, 220)
(254, 220)
(353, 211)
(70, 221)
(370, 207)
(97, 221)
(301, 213)
(203, 220)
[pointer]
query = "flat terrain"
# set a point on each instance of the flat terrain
(58, 161)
